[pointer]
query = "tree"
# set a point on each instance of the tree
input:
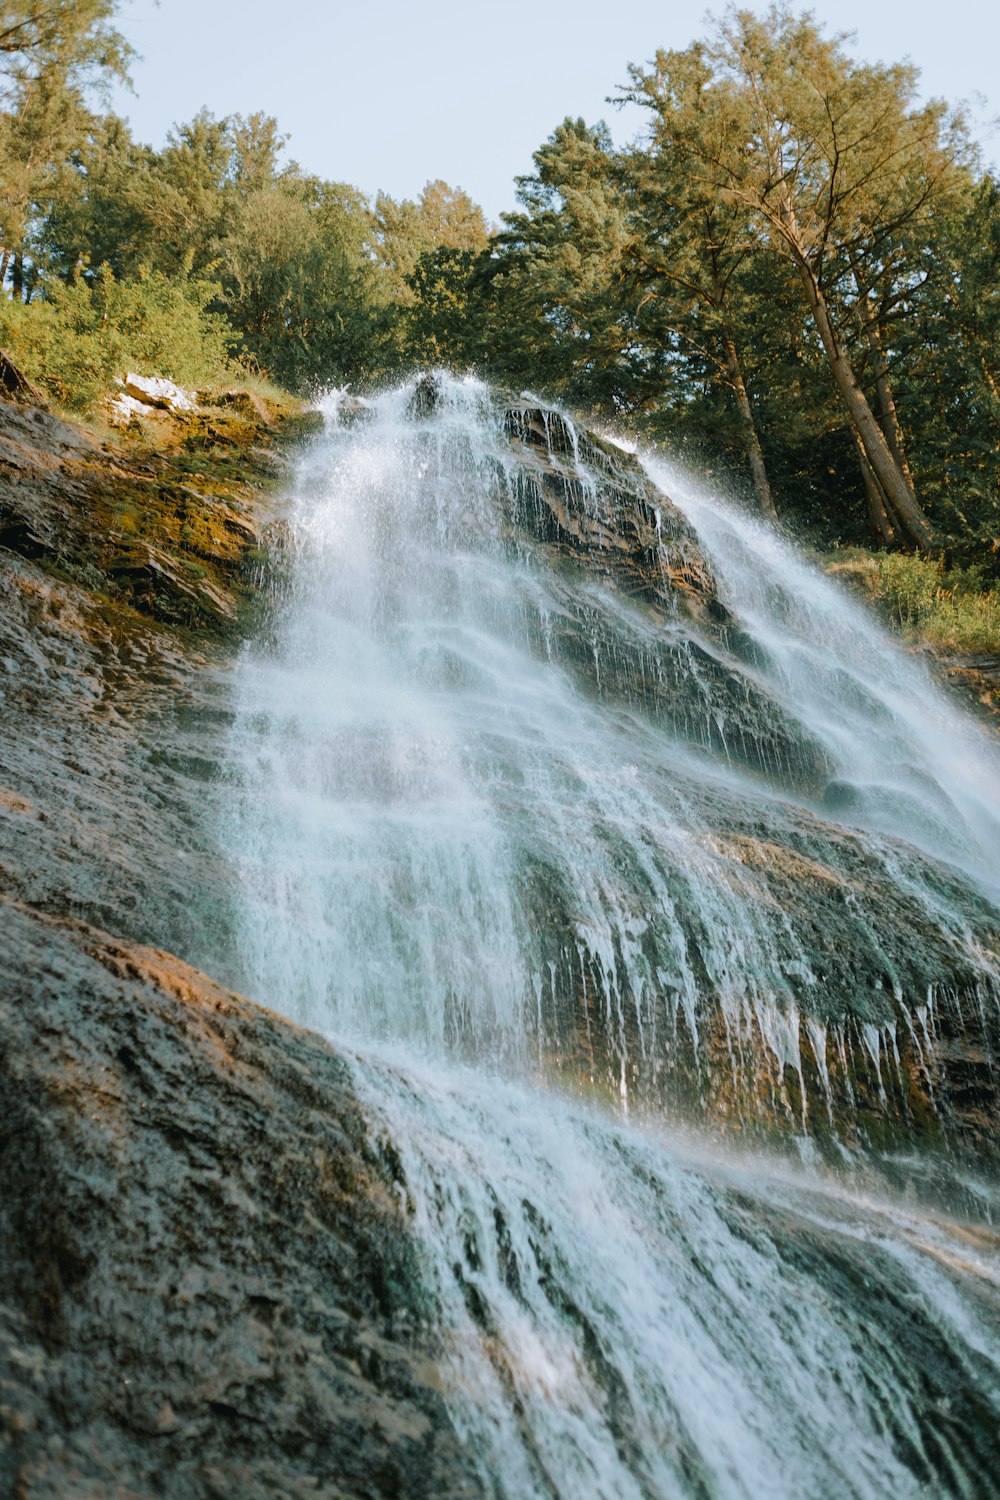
(300, 281)
(442, 217)
(945, 368)
(447, 322)
(691, 245)
(557, 277)
(830, 160)
(52, 52)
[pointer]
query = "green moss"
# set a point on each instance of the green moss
(168, 527)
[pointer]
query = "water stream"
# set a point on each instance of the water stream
(577, 874)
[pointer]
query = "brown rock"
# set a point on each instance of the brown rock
(208, 1286)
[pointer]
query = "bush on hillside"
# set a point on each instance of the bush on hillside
(946, 608)
(75, 339)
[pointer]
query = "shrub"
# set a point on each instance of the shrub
(950, 609)
(75, 339)
(908, 586)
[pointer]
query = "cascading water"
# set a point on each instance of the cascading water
(908, 763)
(527, 806)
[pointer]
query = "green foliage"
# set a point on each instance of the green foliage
(446, 322)
(75, 340)
(950, 609)
(426, 307)
(298, 281)
(569, 323)
(51, 54)
(908, 586)
(442, 217)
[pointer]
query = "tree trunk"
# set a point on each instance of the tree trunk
(4, 258)
(755, 455)
(900, 498)
(874, 494)
(888, 415)
(16, 278)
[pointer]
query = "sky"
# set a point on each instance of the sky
(390, 94)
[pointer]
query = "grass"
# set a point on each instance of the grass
(948, 609)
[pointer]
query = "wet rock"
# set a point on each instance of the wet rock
(826, 1000)
(426, 398)
(351, 411)
(152, 575)
(118, 572)
(210, 1290)
(126, 525)
(976, 677)
(593, 503)
(208, 1285)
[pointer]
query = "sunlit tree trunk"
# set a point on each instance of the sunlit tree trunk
(888, 415)
(874, 494)
(903, 504)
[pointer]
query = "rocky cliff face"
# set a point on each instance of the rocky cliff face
(124, 573)
(208, 1285)
(817, 990)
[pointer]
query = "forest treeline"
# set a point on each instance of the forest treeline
(791, 276)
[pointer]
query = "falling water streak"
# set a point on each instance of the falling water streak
(623, 1315)
(426, 773)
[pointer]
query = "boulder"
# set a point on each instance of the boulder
(123, 410)
(154, 390)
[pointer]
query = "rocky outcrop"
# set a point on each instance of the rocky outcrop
(125, 573)
(976, 677)
(208, 1286)
(603, 521)
(163, 532)
(776, 969)
(594, 505)
(155, 391)
(208, 1289)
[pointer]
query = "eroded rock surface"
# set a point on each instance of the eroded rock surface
(207, 1287)
(124, 574)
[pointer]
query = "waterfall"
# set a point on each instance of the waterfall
(586, 815)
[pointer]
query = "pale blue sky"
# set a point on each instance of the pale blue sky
(387, 95)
